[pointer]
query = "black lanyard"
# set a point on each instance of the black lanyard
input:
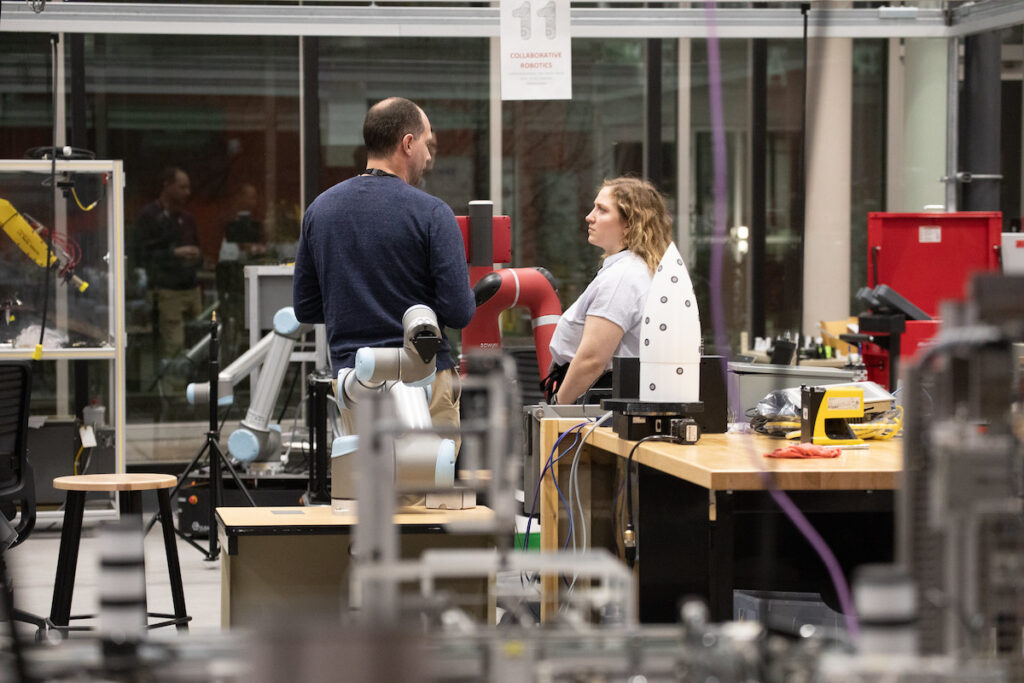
(379, 172)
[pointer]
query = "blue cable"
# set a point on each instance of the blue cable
(547, 466)
(566, 504)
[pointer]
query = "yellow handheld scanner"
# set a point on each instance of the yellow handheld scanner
(29, 241)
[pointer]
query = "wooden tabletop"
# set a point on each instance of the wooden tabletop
(736, 462)
(233, 518)
(115, 482)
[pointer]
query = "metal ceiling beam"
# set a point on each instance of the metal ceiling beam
(451, 21)
(990, 15)
(752, 23)
(456, 20)
(264, 20)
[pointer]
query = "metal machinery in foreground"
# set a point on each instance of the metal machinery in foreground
(961, 517)
(960, 541)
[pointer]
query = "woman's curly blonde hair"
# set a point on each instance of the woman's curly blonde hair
(648, 225)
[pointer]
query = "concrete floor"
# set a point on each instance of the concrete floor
(33, 566)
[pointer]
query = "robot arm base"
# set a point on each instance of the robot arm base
(251, 445)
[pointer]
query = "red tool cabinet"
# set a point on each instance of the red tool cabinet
(927, 257)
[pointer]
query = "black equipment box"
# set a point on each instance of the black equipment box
(51, 451)
(194, 503)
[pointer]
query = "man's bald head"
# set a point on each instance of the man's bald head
(387, 122)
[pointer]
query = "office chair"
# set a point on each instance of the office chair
(17, 486)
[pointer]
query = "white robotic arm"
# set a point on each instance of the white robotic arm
(422, 460)
(257, 439)
(199, 392)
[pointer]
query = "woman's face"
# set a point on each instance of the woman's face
(605, 227)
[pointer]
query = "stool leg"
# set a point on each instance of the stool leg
(171, 548)
(67, 558)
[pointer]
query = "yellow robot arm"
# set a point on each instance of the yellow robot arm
(29, 241)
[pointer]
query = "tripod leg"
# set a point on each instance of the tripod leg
(190, 542)
(234, 475)
(216, 494)
(177, 487)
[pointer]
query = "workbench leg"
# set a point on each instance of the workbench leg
(548, 517)
(721, 539)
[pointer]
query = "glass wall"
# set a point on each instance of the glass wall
(868, 175)
(26, 100)
(735, 84)
(448, 79)
(223, 110)
(26, 116)
(226, 111)
(557, 153)
(783, 249)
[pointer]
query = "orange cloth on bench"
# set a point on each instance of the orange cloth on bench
(804, 450)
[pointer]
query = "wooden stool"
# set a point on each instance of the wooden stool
(130, 488)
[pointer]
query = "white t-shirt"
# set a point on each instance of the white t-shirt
(617, 293)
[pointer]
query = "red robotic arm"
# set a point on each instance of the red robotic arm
(533, 288)
(488, 241)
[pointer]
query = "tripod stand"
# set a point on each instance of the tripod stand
(216, 458)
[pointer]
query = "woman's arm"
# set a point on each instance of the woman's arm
(600, 339)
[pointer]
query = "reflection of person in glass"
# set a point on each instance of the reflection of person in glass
(244, 244)
(243, 229)
(168, 244)
(630, 224)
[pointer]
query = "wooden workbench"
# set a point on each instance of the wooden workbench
(700, 489)
(294, 560)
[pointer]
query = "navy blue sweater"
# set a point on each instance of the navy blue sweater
(370, 248)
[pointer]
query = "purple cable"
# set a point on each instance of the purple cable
(718, 322)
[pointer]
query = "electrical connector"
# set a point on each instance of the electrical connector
(629, 544)
(685, 430)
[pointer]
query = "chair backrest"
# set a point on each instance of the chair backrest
(17, 487)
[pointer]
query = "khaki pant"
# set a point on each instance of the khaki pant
(445, 393)
(174, 307)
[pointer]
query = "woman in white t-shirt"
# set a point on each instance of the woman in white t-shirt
(631, 225)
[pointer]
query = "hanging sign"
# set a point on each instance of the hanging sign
(536, 57)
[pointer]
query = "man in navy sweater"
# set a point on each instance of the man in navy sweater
(374, 245)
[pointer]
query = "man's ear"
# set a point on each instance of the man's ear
(407, 141)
